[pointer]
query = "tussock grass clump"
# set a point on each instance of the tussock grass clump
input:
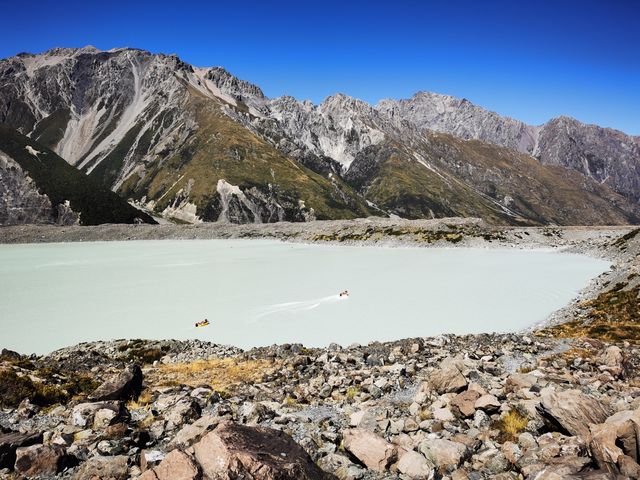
(143, 401)
(219, 374)
(352, 392)
(512, 425)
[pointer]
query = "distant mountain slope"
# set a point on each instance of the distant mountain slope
(451, 177)
(40, 187)
(198, 144)
(603, 154)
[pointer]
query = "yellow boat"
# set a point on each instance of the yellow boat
(202, 324)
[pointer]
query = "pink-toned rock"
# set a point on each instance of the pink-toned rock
(374, 451)
(148, 475)
(488, 403)
(444, 453)
(465, 402)
(518, 381)
(234, 451)
(612, 361)
(177, 465)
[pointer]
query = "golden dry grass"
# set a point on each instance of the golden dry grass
(143, 401)
(513, 424)
(613, 316)
(219, 374)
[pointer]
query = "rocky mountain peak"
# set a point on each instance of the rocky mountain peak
(232, 85)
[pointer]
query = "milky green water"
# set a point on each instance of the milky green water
(258, 292)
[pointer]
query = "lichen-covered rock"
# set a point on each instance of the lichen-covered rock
(234, 450)
(112, 468)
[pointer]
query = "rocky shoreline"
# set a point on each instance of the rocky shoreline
(456, 407)
(558, 402)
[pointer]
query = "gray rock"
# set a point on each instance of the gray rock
(447, 378)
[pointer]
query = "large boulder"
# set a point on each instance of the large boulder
(10, 442)
(373, 451)
(232, 451)
(448, 378)
(124, 386)
(41, 460)
(627, 427)
(570, 411)
(614, 444)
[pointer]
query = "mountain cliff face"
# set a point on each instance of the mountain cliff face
(153, 129)
(198, 144)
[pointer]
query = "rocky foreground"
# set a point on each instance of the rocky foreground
(472, 407)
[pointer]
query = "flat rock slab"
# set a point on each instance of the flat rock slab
(112, 468)
(372, 450)
(571, 411)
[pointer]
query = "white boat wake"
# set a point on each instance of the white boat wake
(292, 308)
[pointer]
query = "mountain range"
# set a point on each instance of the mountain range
(190, 144)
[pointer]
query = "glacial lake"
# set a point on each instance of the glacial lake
(260, 292)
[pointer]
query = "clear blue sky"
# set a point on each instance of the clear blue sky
(531, 60)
